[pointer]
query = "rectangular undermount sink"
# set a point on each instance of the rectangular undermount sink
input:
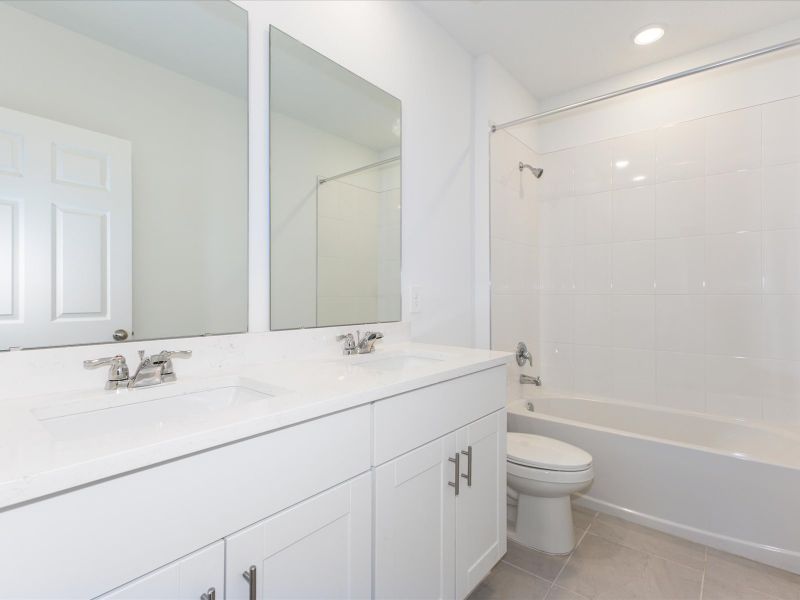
(149, 409)
(399, 362)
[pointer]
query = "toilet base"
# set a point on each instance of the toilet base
(545, 524)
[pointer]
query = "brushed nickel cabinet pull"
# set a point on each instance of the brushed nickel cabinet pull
(250, 578)
(468, 476)
(211, 594)
(457, 461)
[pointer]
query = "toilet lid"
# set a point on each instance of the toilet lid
(546, 453)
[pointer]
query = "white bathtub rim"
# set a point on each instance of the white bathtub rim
(792, 431)
(781, 558)
(519, 407)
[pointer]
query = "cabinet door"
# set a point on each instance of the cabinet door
(414, 520)
(185, 579)
(481, 505)
(320, 548)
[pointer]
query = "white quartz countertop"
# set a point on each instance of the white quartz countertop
(37, 459)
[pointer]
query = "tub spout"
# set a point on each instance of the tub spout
(537, 381)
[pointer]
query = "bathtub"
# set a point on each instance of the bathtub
(728, 484)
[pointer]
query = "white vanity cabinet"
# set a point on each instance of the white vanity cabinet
(93, 540)
(202, 572)
(440, 508)
(320, 548)
(403, 497)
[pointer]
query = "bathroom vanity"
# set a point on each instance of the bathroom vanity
(365, 476)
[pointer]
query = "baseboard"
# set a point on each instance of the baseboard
(776, 557)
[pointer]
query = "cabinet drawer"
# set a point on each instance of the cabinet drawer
(407, 421)
(91, 540)
(185, 579)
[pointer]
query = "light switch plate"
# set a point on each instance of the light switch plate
(416, 299)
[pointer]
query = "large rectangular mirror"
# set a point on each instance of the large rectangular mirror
(335, 200)
(123, 170)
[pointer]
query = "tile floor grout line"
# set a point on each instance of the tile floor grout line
(525, 571)
(550, 589)
(575, 549)
(649, 553)
(702, 584)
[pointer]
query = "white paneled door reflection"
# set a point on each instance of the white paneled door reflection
(65, 233)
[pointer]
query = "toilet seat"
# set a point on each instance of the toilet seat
(543, 453)
(548, 476)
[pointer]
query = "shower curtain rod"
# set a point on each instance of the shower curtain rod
(651, 83)
(385, 161)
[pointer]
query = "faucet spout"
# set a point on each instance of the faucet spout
(366, 344)
(527, 379)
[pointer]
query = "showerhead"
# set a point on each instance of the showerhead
(536, 172)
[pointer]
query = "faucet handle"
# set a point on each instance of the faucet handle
(166, 355)
(349, 343)
(117, 372)
(523, 355)
(99, 362)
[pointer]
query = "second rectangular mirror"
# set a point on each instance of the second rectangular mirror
(335, 200)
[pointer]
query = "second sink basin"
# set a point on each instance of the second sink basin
(398, 362)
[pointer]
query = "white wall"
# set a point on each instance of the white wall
(399, 49)
(188, 184)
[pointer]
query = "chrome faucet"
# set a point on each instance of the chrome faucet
(156, 369)
(359, 345)
(537, 381)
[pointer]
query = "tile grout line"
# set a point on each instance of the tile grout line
(518, 568)
(702, 584)
(653, 554)
(571, 554)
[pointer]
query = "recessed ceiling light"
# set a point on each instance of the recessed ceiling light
(621, 164)
(648, 35)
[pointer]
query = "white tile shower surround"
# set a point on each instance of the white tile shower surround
(670, 264)
(514, 252)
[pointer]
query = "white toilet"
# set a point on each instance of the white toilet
(542, 473)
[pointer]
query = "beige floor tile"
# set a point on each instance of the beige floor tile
(731, 590)
(538, 563)
(581, 518)
(558, 593)
(600, 569)
(752, 577)
(509, 583)
(650, 541)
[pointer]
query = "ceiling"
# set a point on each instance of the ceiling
(554, 46)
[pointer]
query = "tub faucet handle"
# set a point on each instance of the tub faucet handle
(523, 355)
